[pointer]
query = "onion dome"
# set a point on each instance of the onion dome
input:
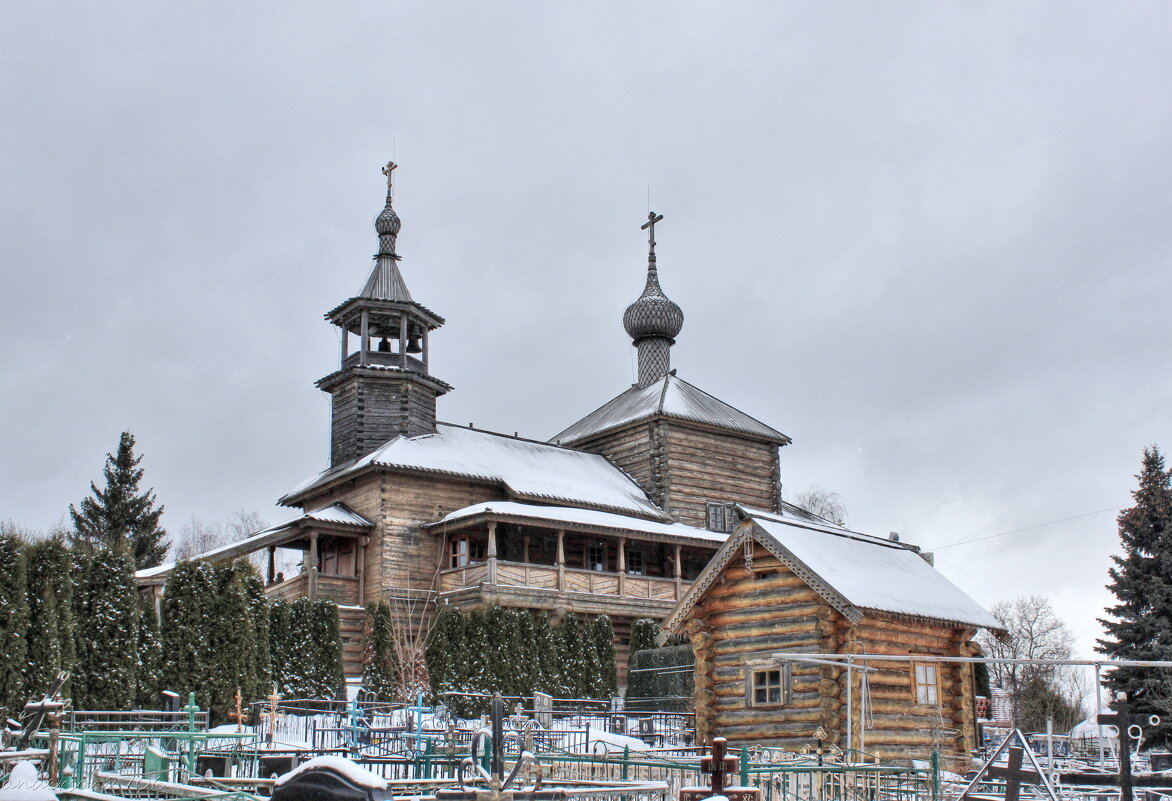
(653, 314)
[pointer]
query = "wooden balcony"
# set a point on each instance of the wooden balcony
(506, 579)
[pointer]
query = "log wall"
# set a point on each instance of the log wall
(705, 466)
(747, 616)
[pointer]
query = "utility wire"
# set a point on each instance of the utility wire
(1027, 528)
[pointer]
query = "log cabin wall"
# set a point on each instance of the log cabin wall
(630, 450)
(366, 411)
(706, 465)
(748, 616)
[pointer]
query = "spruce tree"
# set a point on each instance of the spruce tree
(573, 659)
(314, 666)
(107, 631)
(188, 612)
(280, 645)
(548, 678)
(122, 514)
(601, 639)
(258, 608)
(447, 662)
(232, 641)
(14, 625)
(379, 667)
(1139, 626)
(150, 656)
(50, 595)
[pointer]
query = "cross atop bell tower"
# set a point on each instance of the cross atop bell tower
(384, 388)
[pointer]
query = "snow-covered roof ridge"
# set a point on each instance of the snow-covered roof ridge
(527, 469)
(584, 517)
(670, 396)
(853, 572)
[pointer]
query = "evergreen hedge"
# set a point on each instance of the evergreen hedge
(14, 623)
(51, 646)
(661, 678)
(106, 610)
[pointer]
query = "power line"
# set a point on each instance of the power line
(1027, 528)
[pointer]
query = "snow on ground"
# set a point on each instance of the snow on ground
(600, 742)
(25, 785)
(341, 765)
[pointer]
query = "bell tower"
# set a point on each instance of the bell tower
(383, 388)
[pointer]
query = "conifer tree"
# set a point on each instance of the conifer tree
(527, 660)
(1139, 626)
(280, 645)
(232, 640)
(14, 624)
(50, 594)
(447, 662)
(188, 613)
(258, 606)
(379, 668)
(601, 638)
(314, 665)
(548, 677)
(107, 631)
(122, 514)
(150, 656)
(574, 660)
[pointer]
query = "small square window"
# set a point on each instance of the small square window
(771, 686)
(927, 684)
(635, 562)
(721, 517)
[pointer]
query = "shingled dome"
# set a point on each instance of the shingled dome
(387, 223)
(653, 314)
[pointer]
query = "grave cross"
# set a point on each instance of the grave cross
(271, 715)
(718, 764)
(1013, 774)
(238, 716)
(649, 227)
(1122, 721)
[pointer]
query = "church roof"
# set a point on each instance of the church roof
(669, 396)
(386, 282)
(527, 470)
(591, 518)
(851, 571)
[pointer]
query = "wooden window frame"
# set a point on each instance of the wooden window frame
(596, 565)
(761, 680)
(636, 564)
(926, 693)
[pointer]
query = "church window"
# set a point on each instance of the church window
(771, 686)
(927, 684)
(634, 562)
(596, 556)
(721, 517)
(464, 551)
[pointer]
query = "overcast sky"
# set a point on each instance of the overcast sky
(929, 241)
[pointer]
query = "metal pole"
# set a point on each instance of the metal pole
(1099, 711)
(1050, 745)
(850, 729)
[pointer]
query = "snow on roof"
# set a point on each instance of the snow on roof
(337, 513)
(874, 573)
(852, 571)
(586, 517)
(527, 469)
(670, 396)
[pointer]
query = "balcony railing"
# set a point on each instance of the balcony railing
(562, 579)
(339, 589)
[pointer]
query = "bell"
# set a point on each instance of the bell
(384, 345)
(413, 345)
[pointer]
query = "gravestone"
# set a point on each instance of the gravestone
(719, 764)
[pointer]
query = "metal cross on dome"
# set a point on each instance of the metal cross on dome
(389, 172)
(649, 227)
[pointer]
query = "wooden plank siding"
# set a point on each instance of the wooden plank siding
(705, 466)
(748, 616)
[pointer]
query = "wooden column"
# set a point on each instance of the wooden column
(345, 346)
(525, 548)
(313, 550)
(360, 568)
(492, 552)
(365, 338)
(679, 574)
(561, 559)
(403, 341)
(157, 593)
(424, 354)
(622, 565)
(272, 563)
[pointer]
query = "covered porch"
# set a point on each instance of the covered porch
(560, 550)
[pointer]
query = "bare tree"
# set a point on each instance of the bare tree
(823, 502)
(1037, 692)
(196, 537)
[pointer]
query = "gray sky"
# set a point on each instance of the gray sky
(929, 241)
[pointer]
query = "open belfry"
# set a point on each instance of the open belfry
(619, 514)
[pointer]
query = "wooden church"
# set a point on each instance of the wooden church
(620, 513)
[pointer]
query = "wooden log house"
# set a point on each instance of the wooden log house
(789, 583)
